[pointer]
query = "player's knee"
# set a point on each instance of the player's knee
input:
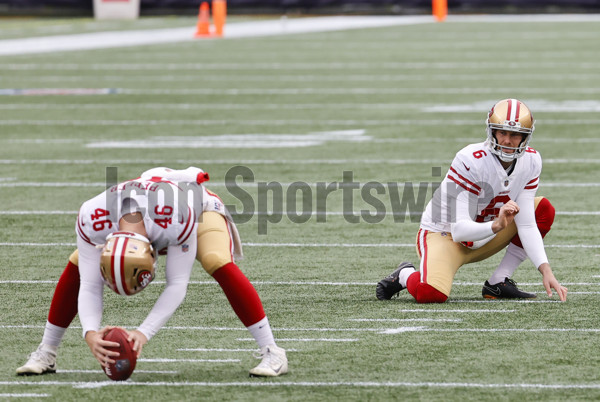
(544, 215)
(213, 260)
(428, 294)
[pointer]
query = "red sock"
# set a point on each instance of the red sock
(63, 308)
(241, 294)
(423, 292)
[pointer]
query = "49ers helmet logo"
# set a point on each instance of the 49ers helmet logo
(144, 278)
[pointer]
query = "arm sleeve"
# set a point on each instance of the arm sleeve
(90, 302)
(465, 228)
(178, 271)
(527, 228)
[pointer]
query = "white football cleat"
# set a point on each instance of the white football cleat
(42, 361)
(274, 362)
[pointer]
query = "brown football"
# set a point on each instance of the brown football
(124, 364)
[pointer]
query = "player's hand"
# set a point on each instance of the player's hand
(97, 345)
(506, 216)
(550, 282)
(139, 340)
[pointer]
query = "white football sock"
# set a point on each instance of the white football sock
(404, 274)
(512, 259)
(53, 335)
(261, 331)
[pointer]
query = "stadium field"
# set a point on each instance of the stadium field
(326, 146)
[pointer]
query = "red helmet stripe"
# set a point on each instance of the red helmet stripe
(509, 109)
(117, 260)
(518, 109)
(112, 268)
(123, 278)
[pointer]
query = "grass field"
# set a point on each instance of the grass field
(389, 105)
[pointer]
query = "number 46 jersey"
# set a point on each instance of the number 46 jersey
(476, 180)
(167, 208)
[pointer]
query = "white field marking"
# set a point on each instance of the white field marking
(542, 330)
(278, 161)
(7, 179)
(460, 66)
(28, 395)
(225, 350)
(521, 301)
(278, 66)
(273, 122)
(111, 39)
(405, 320)
(189, 360)
(260, 183)
(275, 384)
(455, 311)
(300, 283)
(275, 329)
(587, 106)
(315, 213)
(304, 340)
(290, 92)
(263, 141)
(137, 371)
(294, 245)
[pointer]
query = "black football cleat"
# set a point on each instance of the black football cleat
(505, 290)
(390, 285)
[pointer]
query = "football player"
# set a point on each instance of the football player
(486, 203)
(119, 233)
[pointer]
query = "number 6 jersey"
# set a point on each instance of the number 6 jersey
(476, 187)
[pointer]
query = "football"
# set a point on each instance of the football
(124, 364)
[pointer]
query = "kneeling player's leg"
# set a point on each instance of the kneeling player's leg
(544, 217)
(515, 254)
(440, 259)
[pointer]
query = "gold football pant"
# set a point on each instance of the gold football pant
(441, 257)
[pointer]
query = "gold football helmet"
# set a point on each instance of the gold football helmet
(509, 115)
(127, 262)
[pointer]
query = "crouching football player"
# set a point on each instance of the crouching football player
(119, 233)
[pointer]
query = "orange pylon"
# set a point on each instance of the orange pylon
(440, 9)
(219, 9)
(203, 26)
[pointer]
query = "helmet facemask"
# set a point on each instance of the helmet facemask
(513, 116)
(127, 262)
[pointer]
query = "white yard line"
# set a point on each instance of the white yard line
(309, 384)
(161, 360)
(102, 40)
(311, 283)
(320, 213)
(294, 245)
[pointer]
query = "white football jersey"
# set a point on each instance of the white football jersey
(477, 171)
(168, 216)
